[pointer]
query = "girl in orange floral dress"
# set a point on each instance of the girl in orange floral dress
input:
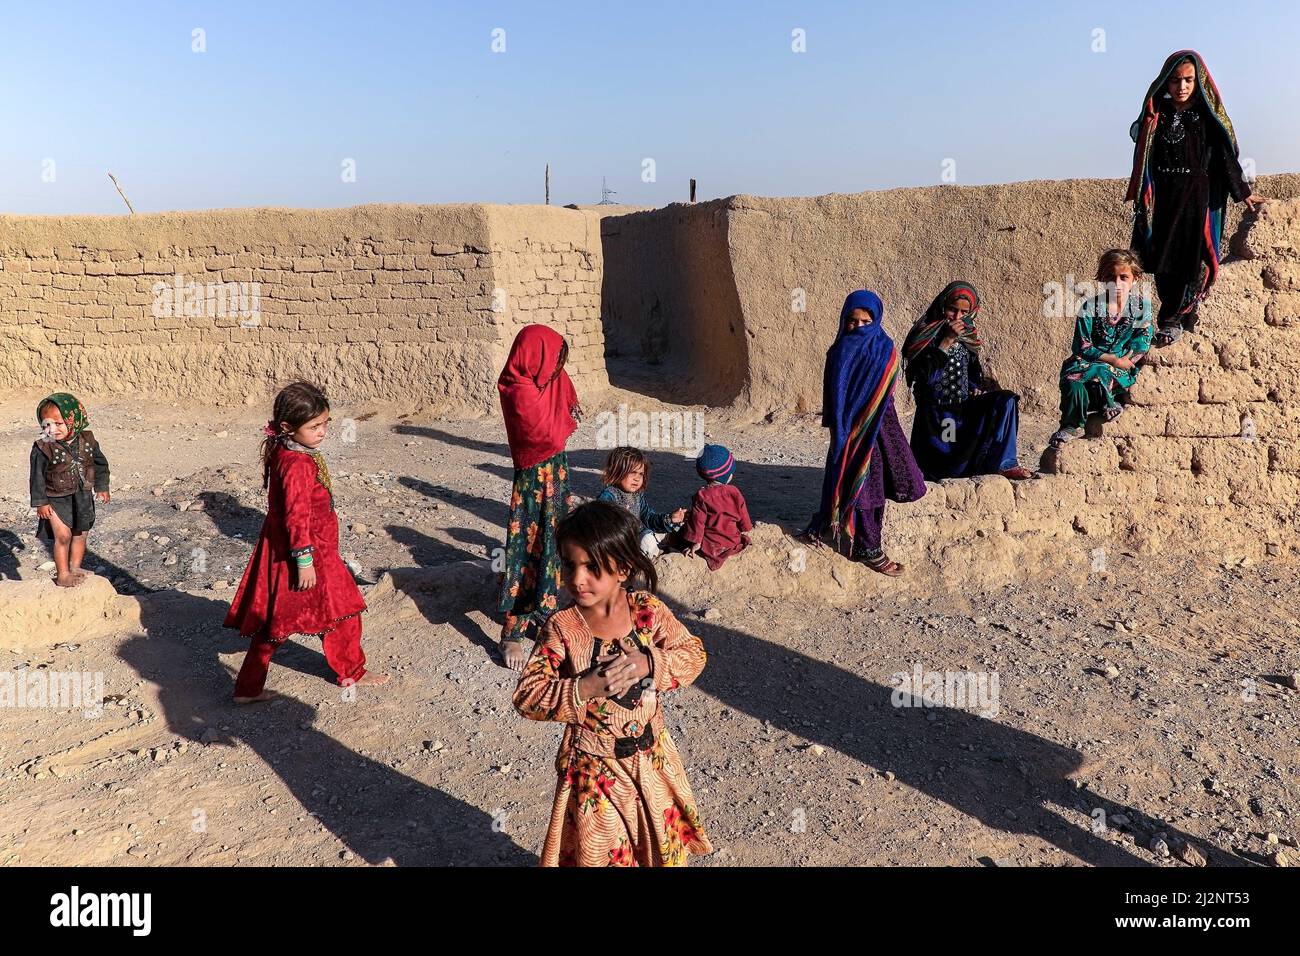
(622, 797)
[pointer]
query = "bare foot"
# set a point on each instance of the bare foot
(372, 679)
(68, 580)
(79, 572)
(514, 654)
(264, 695)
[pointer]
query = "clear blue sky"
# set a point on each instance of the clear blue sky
(286, 91)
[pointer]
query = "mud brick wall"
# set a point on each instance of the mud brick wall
(375, 302)
(739, 298)
(1209, 450)
(419, 305)
(1206, 459)
(548, 271)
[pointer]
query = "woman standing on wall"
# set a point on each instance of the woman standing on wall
(1185, 167)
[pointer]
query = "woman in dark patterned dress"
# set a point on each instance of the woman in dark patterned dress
(869, 460)
(540, 408)
(964, 425)
(1184, 169)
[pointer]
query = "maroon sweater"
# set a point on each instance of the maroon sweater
(716, 522)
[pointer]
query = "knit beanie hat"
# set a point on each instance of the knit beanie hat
(715, 464)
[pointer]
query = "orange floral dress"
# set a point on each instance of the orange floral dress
(622, 798)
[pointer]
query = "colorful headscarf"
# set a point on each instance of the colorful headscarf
(861, 366)
(536, 401)
(931, 325)
(1141, 189)
(74, 413)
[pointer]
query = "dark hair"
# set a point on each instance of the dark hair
(45, 405)
(560, 361)
(295, 406)
(1112, 259)
(624, 460)
(609, 535)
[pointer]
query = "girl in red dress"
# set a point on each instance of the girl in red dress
(295, 582)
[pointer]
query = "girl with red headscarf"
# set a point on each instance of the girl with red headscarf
(540, 408)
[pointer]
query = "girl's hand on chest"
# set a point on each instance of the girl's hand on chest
(613, 674)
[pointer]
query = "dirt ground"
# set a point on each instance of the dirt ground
(1149, 699)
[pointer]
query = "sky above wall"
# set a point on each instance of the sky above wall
(314, 104)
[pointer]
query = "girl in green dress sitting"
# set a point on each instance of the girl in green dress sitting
(1111, 337)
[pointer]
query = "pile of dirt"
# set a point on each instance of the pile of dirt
(37, 612)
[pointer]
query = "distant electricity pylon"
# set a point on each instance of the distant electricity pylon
(605, 193)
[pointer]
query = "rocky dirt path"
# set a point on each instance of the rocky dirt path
(1148, 699)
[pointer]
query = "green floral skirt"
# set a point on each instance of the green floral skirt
(530, 579)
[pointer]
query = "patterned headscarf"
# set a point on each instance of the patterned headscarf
(930, 326)
(74, 413)
(1142, 128)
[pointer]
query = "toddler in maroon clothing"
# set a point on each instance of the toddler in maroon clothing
(716, 525)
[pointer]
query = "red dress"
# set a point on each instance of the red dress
(299, 512)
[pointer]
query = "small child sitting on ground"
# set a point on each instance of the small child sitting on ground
(716, 525)
(627, 475)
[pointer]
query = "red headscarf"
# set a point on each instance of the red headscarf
(537, 403)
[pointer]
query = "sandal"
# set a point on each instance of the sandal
(1063, 435)
(1167, 336)
(1111, 412)
(880, 563)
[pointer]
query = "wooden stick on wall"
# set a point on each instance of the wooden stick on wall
(122, 194)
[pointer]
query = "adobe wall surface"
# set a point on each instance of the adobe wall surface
(728, 303)
(1206, 460)
(1009, 240)
(419, 305)
(378, 302)
(671, 303)
(1213, 431)
(547, 265)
